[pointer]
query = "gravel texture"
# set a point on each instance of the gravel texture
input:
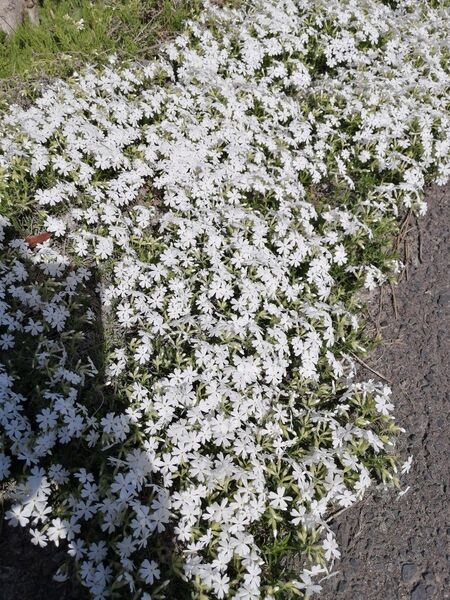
(392, 548)
(399, 548)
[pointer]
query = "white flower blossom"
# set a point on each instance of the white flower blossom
(211, 215)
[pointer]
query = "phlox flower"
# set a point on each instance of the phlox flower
(149, 571)
(212, 199)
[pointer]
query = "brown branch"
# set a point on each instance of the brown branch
(419, 239)
(364, 364)
(394, 301)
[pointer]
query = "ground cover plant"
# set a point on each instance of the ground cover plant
(177, 401)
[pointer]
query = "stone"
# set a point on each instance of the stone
(419, 592)
(430, 377)
(408, 571)
(13, 13)
(444, 298)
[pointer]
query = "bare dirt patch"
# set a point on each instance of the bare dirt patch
(399, 548)
(26, 572)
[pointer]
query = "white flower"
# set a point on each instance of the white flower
(55, 226)
(34, 327)
(57, 531)
(278, 498)
(406, 466)
(383, 405)
(104, 247)
(346, 498)
(19, 515)
(307, 584)
(330, 546)
(222, 214)
(340, 255)
(246, 371)
(38, 538)
(149, 571)
(5, 465)
(7, 341)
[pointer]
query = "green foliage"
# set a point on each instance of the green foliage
(72, 33)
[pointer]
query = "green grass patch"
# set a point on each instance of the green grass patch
(72, 33)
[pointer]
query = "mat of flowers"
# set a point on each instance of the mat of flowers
(178, 402)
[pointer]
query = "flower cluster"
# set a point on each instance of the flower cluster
(212, 215)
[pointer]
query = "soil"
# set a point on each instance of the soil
(392, 548)
(26, 572)
(399, 548)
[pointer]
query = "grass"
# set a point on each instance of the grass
(72, 33)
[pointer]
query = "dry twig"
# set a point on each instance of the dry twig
(394, 301)
(364, 364)
(419, 239)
